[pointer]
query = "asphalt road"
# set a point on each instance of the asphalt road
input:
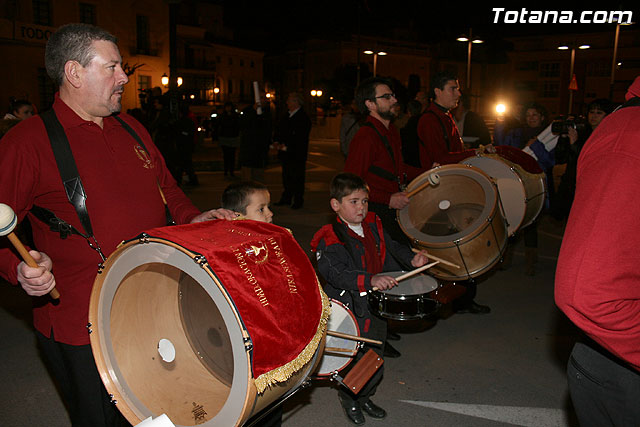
(504, 368)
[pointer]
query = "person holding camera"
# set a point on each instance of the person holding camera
(567, 151)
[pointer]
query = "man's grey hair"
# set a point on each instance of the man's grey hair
(72, 42)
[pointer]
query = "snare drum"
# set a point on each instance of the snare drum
(456, 218)
(522, 194)
(208, 323)
(340, 320)
(409, 300)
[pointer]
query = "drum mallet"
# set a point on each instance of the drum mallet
(410, 273)
(442, 261)
(8, 222)
(433, 179)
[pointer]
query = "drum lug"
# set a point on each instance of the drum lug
(100, 268)
(89, 327)
(112, 400)
(248, 345)
(200, 260)
(144, 238)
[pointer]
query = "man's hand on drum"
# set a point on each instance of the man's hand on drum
(491, 149)
(383, 282)
(215, 214)
(419, 260)
(398, 200)
(37, 281)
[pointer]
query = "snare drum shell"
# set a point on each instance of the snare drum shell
(136, 300)
(405, 305)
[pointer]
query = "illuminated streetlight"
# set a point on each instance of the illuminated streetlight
(470, 41)
(179, 80)
(375, 58)
(313, 92)
(501, 108)
(573, 60)
(164, 79)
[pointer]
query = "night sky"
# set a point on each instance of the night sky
(265, 25)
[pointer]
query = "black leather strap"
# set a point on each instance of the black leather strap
(67, 168)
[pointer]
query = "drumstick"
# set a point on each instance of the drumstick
(353, 337)
(416, 271)
(411, 273)
(339, 350)
(428, 255)
(432, 179)
(8, 222)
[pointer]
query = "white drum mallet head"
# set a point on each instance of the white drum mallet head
(8, 223)
(8, 219)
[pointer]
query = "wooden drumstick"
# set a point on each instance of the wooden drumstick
(428, 255)
(353, 337)
(8, 222)
(432, 179)
(411, 273)
(339, 350)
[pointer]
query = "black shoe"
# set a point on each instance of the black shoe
(374, 410)
(353, 412)
(389, 351)
(296, 205)
(393, 336)
(474, 308)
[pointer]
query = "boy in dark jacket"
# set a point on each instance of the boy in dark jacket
(352, 254)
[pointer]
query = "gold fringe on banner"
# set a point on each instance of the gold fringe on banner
(284, 372)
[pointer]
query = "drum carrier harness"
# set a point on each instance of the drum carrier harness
(73, 186)
(382, 173)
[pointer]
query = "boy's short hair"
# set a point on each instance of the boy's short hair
(346, 183)
(236, 196)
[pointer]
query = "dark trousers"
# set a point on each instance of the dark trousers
(604, 391)
(229, 157)
(75, 372)
(293, 177)
(377, 330)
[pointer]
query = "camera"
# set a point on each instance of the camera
(561, 127)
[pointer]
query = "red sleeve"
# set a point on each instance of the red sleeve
(182, 209)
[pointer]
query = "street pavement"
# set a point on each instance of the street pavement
(504, 368)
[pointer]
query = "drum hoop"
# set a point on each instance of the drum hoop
(488, 210)
(357, 327)
(390, 295)
(113, 379)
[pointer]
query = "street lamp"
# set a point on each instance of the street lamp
(164, 79)
(375, 58)
(470, 41)
(615, 55)
(573, 60)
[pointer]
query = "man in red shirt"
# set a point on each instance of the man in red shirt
(441, 144)
(597, 279)
(121, 179)
(375, 154)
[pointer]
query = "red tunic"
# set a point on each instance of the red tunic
(433, 147)
(367, 149)
(597, 278)
(122, 200)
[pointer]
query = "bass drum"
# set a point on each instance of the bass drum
(522, 193)
(168, 337)
(334, 359)
(456, 217)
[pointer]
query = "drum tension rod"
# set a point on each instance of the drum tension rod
(248, 344)
(89, 327)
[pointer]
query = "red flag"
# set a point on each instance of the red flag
(574, 83)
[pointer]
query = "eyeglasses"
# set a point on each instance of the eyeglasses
(387, 96)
